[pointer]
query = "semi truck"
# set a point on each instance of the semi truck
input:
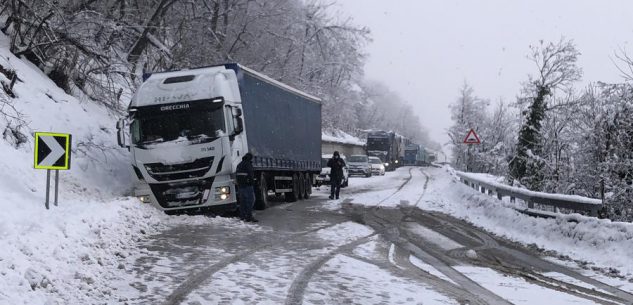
(388, 146)
(188, 130)
(415, 154)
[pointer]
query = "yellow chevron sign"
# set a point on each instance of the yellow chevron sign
(52, 150)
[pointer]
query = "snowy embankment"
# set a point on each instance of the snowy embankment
(65, 255)
(599, 242)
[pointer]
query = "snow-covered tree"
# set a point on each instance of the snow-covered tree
(467, 112)
(556, 69)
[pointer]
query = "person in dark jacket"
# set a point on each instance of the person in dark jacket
(336, 165)
(245, 188)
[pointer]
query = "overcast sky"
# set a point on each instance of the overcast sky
(425, 49)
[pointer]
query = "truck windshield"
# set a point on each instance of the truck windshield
(378, 144)
(358, 159)
(198, 126)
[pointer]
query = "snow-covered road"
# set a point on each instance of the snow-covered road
(379, 244)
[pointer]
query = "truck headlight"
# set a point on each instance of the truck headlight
(144, 198)
(396, 161)
(222, 192)
(386, 164)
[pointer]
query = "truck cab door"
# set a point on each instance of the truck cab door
(237, 135)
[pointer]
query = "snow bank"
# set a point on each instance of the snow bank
(65, 255)
(341, 137)
(603, 243)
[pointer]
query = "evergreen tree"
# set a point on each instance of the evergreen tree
(556, 64)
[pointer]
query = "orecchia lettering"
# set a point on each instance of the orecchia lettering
(174, 107)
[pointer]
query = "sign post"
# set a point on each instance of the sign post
(52, 152)
(471, 138)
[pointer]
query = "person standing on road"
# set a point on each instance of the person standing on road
(245, 188)
(336, 165)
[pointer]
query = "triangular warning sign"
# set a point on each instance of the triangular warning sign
(472, 138)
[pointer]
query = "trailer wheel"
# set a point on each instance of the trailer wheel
(292, 196)
(261, 193)
(308, 186)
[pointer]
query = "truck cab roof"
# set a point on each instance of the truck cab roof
(199, 84)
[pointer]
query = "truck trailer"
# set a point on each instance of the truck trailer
(189, 129)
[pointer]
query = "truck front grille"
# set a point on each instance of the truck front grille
(170, 172)
(171, 195)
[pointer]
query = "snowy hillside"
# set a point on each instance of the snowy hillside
(66, 254)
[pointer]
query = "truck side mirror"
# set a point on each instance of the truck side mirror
(120, 126)
(240, 124)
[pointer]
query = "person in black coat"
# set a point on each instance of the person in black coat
(246, 188)
(336, 165)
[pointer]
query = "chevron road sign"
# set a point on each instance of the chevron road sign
(52, 150)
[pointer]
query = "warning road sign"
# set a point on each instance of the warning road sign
(52, 150)
(472, 138)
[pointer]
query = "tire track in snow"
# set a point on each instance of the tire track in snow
(495, 254)
(195, 280)
(297, 288)
(474, 292)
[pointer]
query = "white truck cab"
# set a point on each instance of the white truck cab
(185, 137)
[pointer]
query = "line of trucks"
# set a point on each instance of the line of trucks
(395, 150)
(187, 131)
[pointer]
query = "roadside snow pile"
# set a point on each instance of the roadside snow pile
(339, 136)
(601, 242)
(67, 254)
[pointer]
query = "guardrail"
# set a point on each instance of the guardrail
(569, 202)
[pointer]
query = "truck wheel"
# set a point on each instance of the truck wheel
(261, 193)
(292, 196)
(302, 186)
(308, 186)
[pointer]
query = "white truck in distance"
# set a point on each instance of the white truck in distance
(189, 129)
